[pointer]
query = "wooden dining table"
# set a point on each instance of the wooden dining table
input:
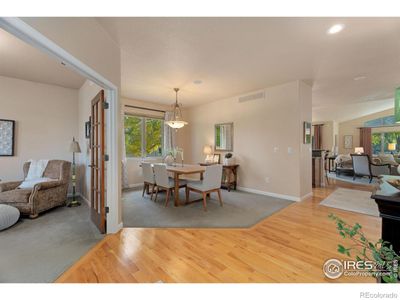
(185, 169)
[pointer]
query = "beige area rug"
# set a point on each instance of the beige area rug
(352, 200)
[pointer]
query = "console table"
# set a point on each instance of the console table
(388, 200)
(229, 176)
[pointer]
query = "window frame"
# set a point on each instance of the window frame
(143, 135)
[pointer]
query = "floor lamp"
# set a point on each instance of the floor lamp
(74, 148)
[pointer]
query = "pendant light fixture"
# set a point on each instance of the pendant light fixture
(177, 121)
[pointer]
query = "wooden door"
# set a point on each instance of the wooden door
(97, 166)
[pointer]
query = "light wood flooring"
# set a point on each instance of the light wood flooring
(289, 246)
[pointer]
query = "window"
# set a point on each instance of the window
(380, 141)
(143, 136)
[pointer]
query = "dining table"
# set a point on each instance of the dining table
(185, 169)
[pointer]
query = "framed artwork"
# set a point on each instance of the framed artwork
(87, 128)
(307, 132)
(7, 132)
(217, 158)
(348, 142)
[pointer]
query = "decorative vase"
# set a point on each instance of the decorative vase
(169, 160)
(229, 161)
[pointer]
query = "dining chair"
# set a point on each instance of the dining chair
(211, 183)
(148, 178)
(163, 182)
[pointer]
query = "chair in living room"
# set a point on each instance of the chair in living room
(43, 196)
(363, 166)
(211, 183)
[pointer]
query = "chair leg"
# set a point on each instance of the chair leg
(155, 199)
(220, 198)
(152, 191)
(187, 195)
(370, 179)
(167, 201)
(144, 189)
(205, 201)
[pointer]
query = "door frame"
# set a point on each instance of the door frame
(28, 34)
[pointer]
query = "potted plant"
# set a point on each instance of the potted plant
(229, 159)
(381, 252)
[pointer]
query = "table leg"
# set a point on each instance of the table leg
(176, 192)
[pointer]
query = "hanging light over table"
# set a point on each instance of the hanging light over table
(177, 121)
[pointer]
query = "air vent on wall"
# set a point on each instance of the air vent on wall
(251, 97)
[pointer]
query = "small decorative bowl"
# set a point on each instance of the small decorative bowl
(394, 183)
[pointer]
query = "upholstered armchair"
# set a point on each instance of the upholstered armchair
(363, 166)
(42, 196)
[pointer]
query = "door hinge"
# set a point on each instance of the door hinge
(107, 209)
(106, 157)
(106, 105)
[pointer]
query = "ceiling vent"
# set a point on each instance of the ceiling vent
(251, 97)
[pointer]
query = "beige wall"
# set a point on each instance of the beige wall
(46, 120)
(352, 128)
(264, 132)
(329, 130)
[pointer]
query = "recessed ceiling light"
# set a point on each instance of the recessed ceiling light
(359, 78)
(335, 29)
(197, 81)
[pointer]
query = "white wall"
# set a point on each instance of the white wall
(260, 126)
(46, 121)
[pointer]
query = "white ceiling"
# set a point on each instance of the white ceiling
(21, 60)
(236, 55)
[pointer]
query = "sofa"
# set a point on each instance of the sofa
(43, 196)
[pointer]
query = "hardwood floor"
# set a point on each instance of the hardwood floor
(289, 246)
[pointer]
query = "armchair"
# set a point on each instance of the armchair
(43, 196)
(363, 166)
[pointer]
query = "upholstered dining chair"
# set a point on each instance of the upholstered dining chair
(163, 182)
(148, 178)
(211, 183)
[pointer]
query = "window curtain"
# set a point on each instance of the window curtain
(124, 168)
(169, 133)
(365, 140)
(317, 137)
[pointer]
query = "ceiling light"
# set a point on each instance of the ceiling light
(336, 29)
(359, 78)
(197, 81)
(176, 121)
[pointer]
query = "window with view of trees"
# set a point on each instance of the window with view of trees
(380, 141)
(143, 136)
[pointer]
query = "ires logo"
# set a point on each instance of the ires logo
(334, 268)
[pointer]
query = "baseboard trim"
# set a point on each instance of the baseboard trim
(81, 196)
(280, 196)
(116, 229)
(306, 196)
(134, 185)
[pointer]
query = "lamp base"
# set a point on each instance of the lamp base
(74, 203)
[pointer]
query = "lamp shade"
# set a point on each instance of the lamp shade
(207, 150)
(74, 147)
(392, 146)
(359, 150)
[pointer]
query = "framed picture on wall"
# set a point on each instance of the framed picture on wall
(7, 132)
(88, 128)
(307, 133)
(348, 142)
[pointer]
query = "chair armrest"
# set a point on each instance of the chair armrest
(8, 186)
(380, 169)
(47, 185)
